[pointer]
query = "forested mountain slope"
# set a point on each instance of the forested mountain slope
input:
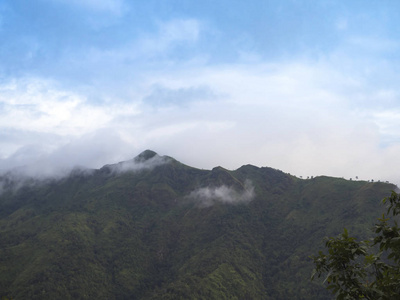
(153, 228)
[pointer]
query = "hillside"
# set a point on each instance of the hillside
(154, 228)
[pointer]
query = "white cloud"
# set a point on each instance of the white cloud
(37, 121)
(297, 117)
(145, 50)
(36, 105)
(135, 165)
(207, 196)
(130, 85)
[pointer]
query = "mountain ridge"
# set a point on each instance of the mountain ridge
(154, 228)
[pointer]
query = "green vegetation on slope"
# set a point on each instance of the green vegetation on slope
(367, 269)
(141, 235)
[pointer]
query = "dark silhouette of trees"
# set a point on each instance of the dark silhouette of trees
(364, 269)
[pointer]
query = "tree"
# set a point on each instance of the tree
(364, 269)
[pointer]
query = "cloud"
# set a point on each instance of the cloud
(208, 196)
(57, 165)
(92, 150)
(115, 70)
(170, 35)
(297, 117)
(95, 82)
(138, 164)
(328, 114)
(39, 108)
(46, 131)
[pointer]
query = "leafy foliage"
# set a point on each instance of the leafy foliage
(367, 269)
(137, 234)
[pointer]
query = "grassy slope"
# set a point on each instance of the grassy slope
(138, 236)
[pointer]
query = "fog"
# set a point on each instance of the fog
(138, 164)
(208, 196)
(311, 89)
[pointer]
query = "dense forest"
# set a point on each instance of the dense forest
(154, 228)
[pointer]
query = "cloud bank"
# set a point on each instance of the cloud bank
(301, 118)
(43, 172)
(311, 89)
(208, 196)
(136, 165)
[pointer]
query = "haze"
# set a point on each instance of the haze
(308, 87)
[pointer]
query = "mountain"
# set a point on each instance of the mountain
(154, 228)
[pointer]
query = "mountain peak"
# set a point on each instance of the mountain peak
(145, 155)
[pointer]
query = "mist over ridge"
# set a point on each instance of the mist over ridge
(94, 83)
(153, 227)
(148, 159)
(276, 123)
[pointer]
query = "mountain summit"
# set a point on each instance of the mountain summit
(153, 228)
(145, 155)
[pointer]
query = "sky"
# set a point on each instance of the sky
(307, 87)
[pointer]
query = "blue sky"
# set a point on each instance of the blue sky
(308, 87)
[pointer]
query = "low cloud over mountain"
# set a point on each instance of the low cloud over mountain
(207, 196)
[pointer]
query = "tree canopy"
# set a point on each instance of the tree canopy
(366, 269)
